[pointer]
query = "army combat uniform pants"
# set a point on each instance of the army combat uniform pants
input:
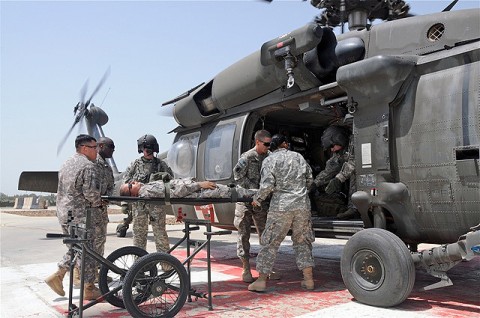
(90, 269)
(144, 213)
(276, 229)
(245, 217)
(100, 222)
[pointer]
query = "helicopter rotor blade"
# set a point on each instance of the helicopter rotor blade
(60, 145)
(83, 92)
(100, 84)
(80, 110)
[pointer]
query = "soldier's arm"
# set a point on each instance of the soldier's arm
(91, 187)
(240, 174)
(308, 176)
(128, 176)
(348, 169)
(111, 183)
(330, 171)
(267, 184)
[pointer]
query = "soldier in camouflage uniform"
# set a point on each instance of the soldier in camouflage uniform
(247, 175)
(183, 188)
(104, 173)
(105, 149)
(140, 170)
(346, 173)
(334, 138)
(287, 177)
(78, 191)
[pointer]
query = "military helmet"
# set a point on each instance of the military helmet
(334, 135)
(147, 142)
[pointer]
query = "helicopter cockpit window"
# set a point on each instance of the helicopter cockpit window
(182, 156)
(218, 153)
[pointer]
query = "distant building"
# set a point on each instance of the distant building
(33, 202)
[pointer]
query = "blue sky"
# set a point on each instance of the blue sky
(156, 50)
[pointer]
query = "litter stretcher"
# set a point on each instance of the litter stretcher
(147, 285)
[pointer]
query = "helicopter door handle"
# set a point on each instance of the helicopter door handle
(385, 133)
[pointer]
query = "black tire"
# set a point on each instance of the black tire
(124, 258)
(166, 292)
(377, 268)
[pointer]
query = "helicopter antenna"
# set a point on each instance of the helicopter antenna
(450, 6)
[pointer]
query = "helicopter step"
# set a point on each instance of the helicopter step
(334, 228)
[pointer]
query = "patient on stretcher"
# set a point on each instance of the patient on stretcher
(183, 188)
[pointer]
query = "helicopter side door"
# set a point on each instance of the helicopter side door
(208, 153)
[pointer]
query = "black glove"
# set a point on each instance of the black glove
(334, 185)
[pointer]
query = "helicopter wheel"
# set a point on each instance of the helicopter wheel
(377, 268)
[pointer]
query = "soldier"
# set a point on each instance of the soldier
(334, 138)
(347, 173)
(78, 191)
(247, 175)
(287, 177)
(105, 149)
(182, 188)
(141, 170)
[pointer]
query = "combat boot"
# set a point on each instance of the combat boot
(260, 284)
(347, 215)
(55, 281)
(97, 278)
(246, 272)
(76, 277)
(274, 276)
(90, 292)
(307, 281)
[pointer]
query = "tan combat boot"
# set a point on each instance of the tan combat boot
(246, 272)
(274, 276)
(260, 284)
(308, 278)
(90, 292)
(55, 281)
(76, 277)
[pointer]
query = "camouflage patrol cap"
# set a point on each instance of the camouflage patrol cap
(334, 135)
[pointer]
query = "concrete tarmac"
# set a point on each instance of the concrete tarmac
(28, 257)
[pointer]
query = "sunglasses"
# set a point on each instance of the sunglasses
(266, 144)
(111, 146)
(129, 189)
(92, 147)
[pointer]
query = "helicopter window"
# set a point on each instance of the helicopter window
(435, 32)
(182, 156)
(218, 153)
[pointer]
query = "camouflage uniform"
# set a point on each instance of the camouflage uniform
(100, 218)
(247, 175)
(348, 172)
(78, 190)
(287, 176)
(332, 168)
(189, 188)
(140, 170)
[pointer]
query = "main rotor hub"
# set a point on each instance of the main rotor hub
(356, 13)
